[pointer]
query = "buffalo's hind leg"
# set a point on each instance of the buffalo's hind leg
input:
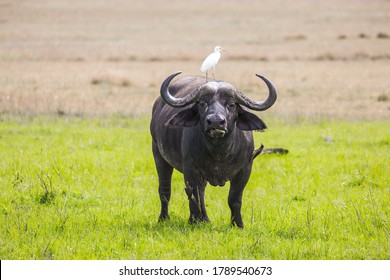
(164, 171)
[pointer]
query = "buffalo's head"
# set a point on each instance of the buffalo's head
(218, 107)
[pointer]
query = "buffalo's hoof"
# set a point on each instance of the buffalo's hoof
(197, 220)
(238, 224)
(163, 218)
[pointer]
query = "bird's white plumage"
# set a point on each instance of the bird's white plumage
(211, 60)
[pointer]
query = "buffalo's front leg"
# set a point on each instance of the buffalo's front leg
(235, 197)
(195, 190)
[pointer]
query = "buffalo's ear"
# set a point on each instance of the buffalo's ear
(249, 121)
(186, 118)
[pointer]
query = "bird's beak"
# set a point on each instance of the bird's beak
(222, 49)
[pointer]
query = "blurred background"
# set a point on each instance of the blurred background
(97, 57)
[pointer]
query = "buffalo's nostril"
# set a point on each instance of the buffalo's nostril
(215, 121)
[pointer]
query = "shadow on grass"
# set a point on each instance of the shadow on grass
(180, 225)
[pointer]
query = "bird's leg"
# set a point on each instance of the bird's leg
(206, 75)
(213, 75)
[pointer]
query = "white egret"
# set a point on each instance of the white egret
(211, 60)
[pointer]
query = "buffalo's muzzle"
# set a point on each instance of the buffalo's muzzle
(216, 126)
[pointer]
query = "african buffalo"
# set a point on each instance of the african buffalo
(204, 131)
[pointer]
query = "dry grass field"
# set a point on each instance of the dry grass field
(97, 57)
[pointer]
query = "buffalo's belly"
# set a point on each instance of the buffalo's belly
(172, 155)
(218, 174)
(217, 181)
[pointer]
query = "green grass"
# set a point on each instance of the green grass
(75, 188)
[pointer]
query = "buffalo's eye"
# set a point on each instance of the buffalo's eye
(231, 106)
(203, 104)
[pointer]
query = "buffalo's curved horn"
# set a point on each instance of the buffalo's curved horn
(175, 101)
(256, 105)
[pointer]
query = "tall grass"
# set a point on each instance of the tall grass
(75, 188)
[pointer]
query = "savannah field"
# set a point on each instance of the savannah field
(77, 83)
